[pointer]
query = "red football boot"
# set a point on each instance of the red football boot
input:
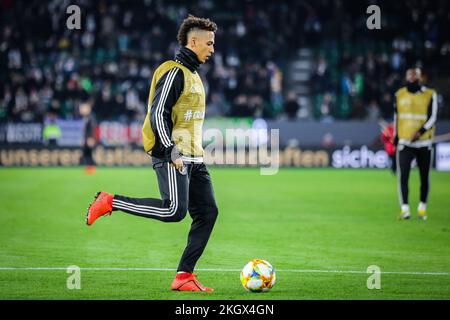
(102, 205)
(187, 282)
(89, 170)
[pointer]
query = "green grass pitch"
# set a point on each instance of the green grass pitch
(320, 228)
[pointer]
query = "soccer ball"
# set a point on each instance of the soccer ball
(258, 276)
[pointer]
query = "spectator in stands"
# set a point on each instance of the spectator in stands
(51, 132)
(373, 111)
(291, 106)
(328, 140)
(116, 47)
(217, 107)
(320, 79)
(326, 108)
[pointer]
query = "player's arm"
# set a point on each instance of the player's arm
(168, 90)
(431, 120)
(395, 121)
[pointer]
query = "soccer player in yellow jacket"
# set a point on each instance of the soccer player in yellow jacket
(172, 135)
(415, 114)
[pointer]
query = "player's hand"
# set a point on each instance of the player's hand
(90, 142)
(416, 136)
(177, 163)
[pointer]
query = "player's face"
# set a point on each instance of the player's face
(203, 45)
(413, 75)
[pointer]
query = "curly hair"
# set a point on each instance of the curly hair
(191, 23)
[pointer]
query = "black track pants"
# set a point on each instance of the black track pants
(190, 190)
(405, 156)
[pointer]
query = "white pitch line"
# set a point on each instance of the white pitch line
(229, 270)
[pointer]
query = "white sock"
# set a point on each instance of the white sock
(422, 206)
(405, 208)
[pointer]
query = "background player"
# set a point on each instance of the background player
(414, 117)
(387, 137)
(90, 139)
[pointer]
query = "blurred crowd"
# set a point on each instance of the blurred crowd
(358, 70)
(48, 69)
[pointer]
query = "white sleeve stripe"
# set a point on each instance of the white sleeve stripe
(159, 109)
(433, 117)
(158, 125)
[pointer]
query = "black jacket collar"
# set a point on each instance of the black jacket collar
(414, 87)
(187, 58)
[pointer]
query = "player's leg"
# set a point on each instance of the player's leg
(88, 159)
(203, 210)
(172, 207)
(424, 159)
(404, 158)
